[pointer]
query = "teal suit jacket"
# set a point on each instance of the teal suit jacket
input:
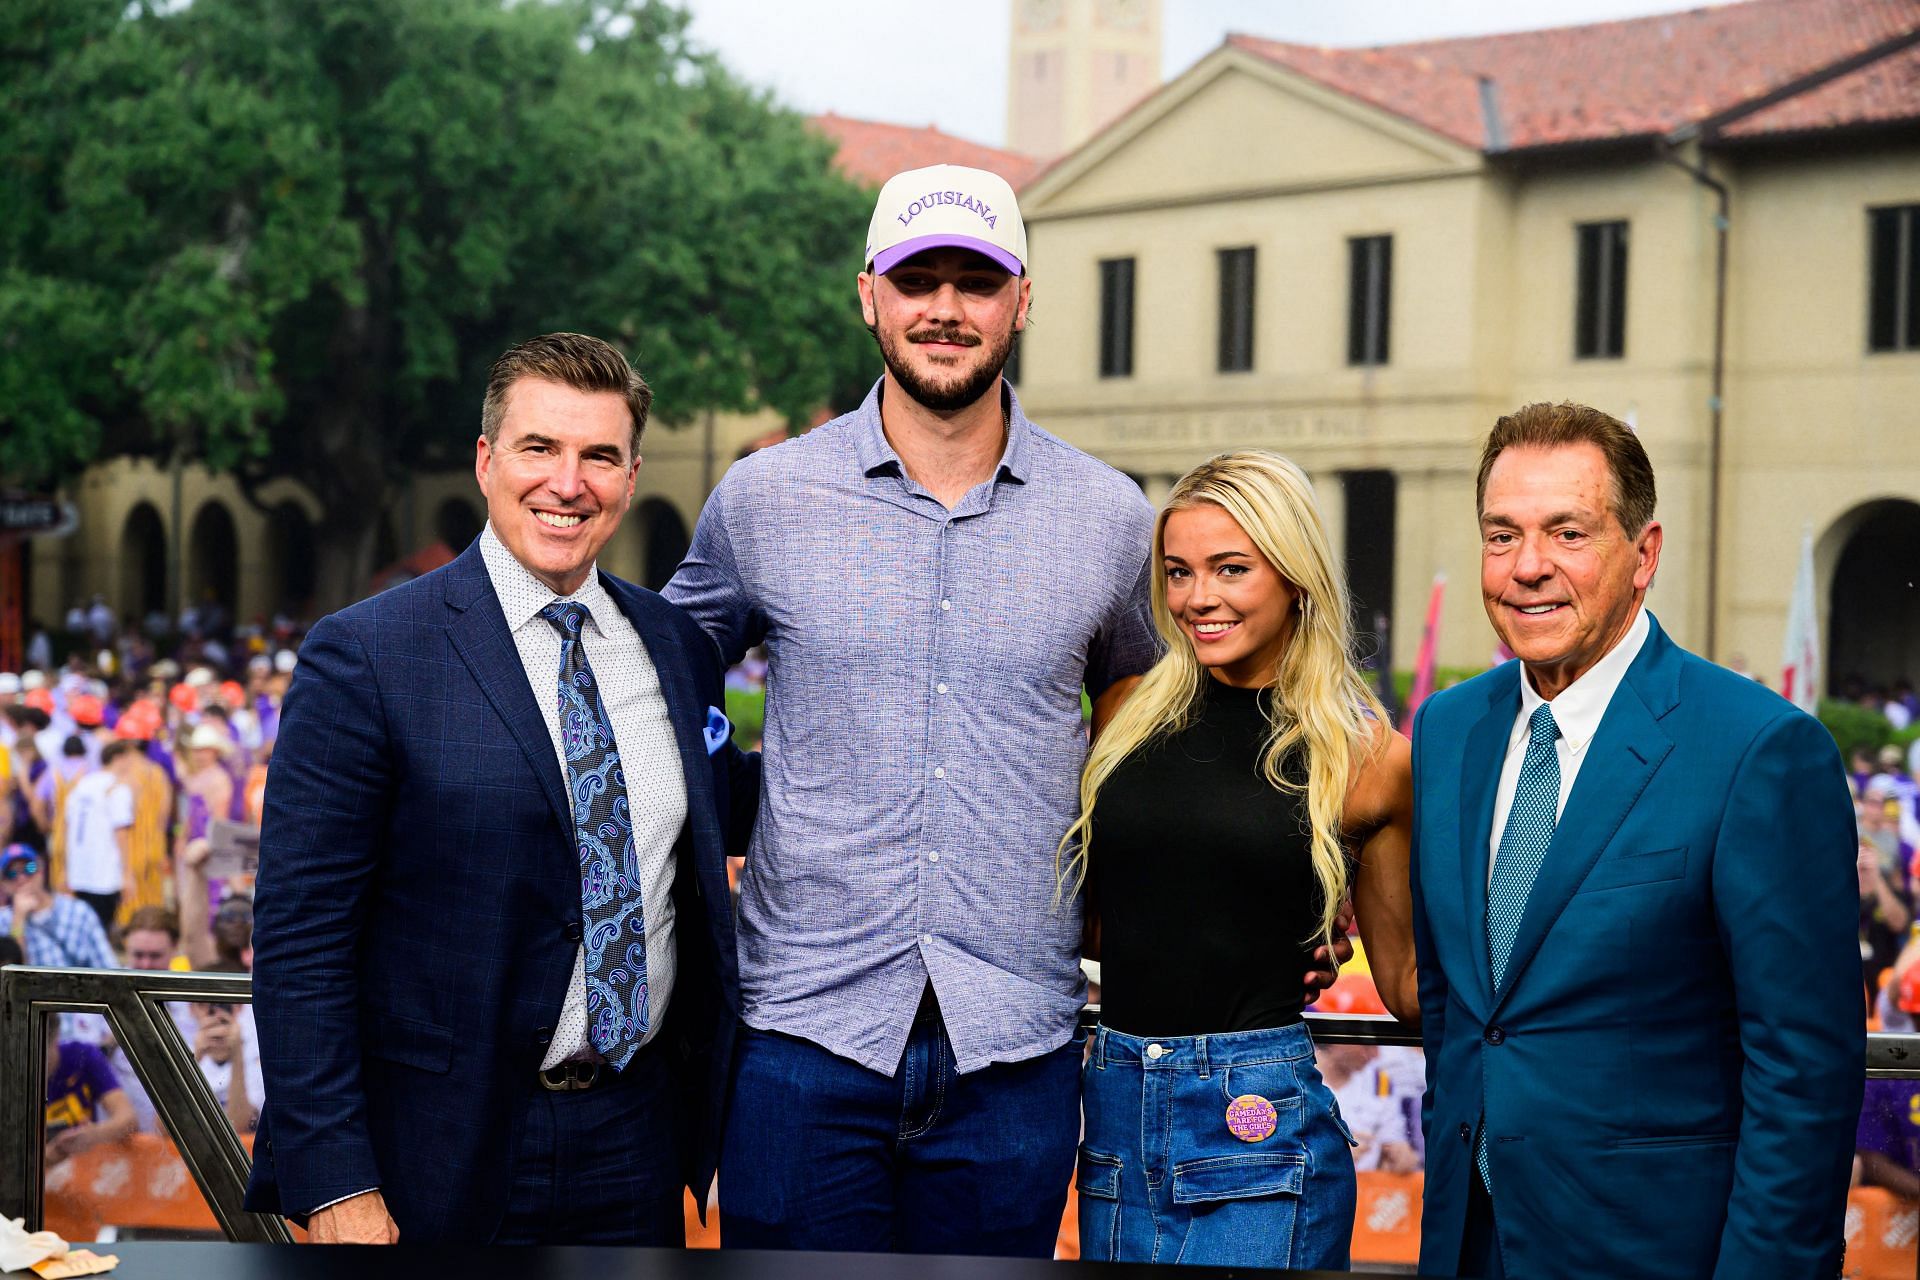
(1672, 1068)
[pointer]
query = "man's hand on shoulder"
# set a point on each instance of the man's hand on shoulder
(361, 1219)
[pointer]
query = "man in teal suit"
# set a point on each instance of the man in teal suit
(1634, 903)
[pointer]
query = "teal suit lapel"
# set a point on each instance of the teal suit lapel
(1620, 761)
(1485, 752)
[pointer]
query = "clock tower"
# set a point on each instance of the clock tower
(1074, 65)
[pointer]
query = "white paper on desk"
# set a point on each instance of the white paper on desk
(20, 1249)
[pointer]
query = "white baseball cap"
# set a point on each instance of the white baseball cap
(946, 206)
(208, 737)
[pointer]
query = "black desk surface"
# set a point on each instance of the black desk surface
(156, 1260)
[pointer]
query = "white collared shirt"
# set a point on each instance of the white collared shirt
(650, 758)
(1577, 711)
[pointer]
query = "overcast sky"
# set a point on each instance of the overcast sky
(914, 63)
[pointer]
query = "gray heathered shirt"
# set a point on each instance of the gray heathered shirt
(923, 733)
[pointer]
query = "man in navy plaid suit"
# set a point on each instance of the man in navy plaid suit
(494, 961)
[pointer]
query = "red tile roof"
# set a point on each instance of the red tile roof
(1885, 92)
(1636, 77)
(872, 152)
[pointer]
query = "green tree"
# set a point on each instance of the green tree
(286, 237)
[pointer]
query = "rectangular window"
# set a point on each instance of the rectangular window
(1116, 317)
(1236, 310)
(1893, 309)
(1369, 289)
(1600, 293)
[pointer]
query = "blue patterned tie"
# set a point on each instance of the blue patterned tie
(1529, 830)
(614, 923)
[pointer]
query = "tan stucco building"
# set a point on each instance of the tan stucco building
(141, 526)
(1362, 257)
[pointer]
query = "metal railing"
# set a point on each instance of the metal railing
(134, 1005)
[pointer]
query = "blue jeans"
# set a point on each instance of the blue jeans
(822, 1153)
(1163, 1179)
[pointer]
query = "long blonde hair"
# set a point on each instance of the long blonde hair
(1321, 707)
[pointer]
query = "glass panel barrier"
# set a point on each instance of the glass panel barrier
(138, 1186)
(181, 1168)
(181, 1051)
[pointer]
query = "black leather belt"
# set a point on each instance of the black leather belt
(570, 1077)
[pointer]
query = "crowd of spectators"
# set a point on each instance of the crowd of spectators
(1887, 802)
(125, 777)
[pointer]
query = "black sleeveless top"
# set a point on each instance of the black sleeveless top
(1202, 873)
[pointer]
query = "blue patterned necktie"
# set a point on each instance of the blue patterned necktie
(1523, 844)
(614, 924)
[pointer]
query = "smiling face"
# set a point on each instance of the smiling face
(945, 321)
(558, 477)
(1560, 577)
(1231, 603)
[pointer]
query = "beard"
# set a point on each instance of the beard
(945, 391)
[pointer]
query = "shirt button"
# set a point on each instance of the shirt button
(1156, 1052)
(939, 773)
(941, 688)
(926, 937)
(933, 857)
(946, 604)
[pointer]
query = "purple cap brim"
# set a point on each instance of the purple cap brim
(887, 259)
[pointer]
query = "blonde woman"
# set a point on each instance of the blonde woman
(1245, 787)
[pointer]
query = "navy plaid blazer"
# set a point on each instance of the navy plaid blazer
(419, 901)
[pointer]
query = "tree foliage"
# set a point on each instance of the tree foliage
(286, 237)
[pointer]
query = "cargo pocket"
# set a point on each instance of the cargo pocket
(1098, 1182)
(1244, 1207)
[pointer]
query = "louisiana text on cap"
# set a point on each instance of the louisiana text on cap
(946, 206)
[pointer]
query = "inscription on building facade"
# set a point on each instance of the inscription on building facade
(1228, 428)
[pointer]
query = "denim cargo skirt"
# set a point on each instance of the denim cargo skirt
(1222, 1150)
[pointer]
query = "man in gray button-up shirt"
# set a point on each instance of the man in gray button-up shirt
(935, 579)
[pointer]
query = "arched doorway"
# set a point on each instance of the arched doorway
(666, 541)
(213, 564)
(457, 523)
(143, 563)
(295, 564)
(1874, 597)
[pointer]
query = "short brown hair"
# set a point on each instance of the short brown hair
(155, 919)
(1552, 426)
(572, 360)
(120, 747)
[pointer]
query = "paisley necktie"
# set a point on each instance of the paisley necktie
(613, 923)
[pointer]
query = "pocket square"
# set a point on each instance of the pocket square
(718, 729)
